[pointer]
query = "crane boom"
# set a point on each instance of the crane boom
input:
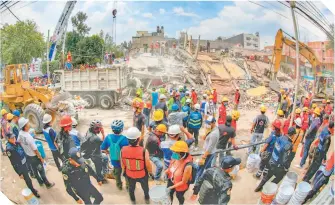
(60, 28)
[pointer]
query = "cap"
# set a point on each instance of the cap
(75, 155)
(229, 119)
(10, 135)
(210, 120)
(229, 161)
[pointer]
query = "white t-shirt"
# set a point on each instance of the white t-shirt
(27, 142)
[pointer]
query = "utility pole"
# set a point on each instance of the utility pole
(63, 48)
(48, 71)
(292, 4)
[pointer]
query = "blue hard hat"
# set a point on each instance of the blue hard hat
(117, 125)
(175, 107)
(16, 113)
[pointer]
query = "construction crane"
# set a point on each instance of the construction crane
(60, 28)
(114, 23)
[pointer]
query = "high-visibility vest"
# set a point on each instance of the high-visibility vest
(134, 161)
(175, 173)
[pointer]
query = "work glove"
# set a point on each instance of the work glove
(235, 147)
(202, 161)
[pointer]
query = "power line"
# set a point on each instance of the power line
(13, 13)
(10, 6)
(318, 11)
(268, 8)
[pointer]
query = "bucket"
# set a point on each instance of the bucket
(234, 172)
(159, 195)
(29, 196)
(284, 194)
(40, 148)
(268, 192)
(300, 193)
(290, 179)
(253, 162)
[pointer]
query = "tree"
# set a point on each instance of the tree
(331, 38)
(21, 42)
(79, 25)
(54, 65)
(89, 50)
(219, 38)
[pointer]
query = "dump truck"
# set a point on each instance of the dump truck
(99, 86)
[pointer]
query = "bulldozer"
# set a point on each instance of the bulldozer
(19, 94)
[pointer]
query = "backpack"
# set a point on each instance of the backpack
(115, 149)
(194, 172)
(206, 190)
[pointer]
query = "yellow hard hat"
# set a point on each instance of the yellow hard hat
(263, 108)
(282, 91)
(214, 88)
(208, 92)
(280, 112)
(138, 93)
(297, 111)
(3, 112)
(305, 109)
(211, 97)
(235, 115)
(328, 101)
(224, 99)
(317, 111)
(161, 128)
(158, 115)
(284, 96)
(179, 146)
(314, 105)
(9, 116)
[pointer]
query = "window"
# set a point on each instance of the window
(255, 45)
(248, 44)
(248, 38)
(256, 39)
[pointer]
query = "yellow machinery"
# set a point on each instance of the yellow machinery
(19, 94)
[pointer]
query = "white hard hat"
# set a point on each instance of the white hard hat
(74, 121)
(133, 133)
(193, 88)
(187, 92)
(46, 118)
(174, 130)
(22, 122)
(298, 122)
(197, 106)
(204, 95)
(162, 96)
(188, 101)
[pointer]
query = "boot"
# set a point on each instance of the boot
(259, 188)
(258, 174)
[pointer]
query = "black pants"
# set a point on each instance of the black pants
(56, 155)
(25, 174)
(179, 194)
(38, 170)
(195, 133)
(132, 185)
(278, 172)
(314, 166)
(265, 157)
(86, 192)
(97, 160)
(291, 157)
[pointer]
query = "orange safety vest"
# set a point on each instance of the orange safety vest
(175, 173)
(134, 161)
(330, 163)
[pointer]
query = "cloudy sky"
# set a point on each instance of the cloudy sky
(208, 19)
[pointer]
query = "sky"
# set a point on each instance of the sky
(205, 18)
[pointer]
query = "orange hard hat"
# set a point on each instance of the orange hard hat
(139, 104)
(65, 121)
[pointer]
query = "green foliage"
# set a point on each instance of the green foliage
(331, 38)
(21, 42)
(53, 65)
(89, 50)
(79, 25)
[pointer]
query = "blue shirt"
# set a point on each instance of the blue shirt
(271, 140)
(114, 138)
(154, 97)
(50, 136)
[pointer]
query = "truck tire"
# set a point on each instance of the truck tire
(106, 102)
(91, 100)
(34, 113)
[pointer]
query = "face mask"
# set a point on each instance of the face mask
(175, 156)
(225, 104)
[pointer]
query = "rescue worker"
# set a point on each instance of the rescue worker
(257, 129)
(179, 172)
(140, 91)
(211, 141)
(14, 127)
(158, 118)
(203, 105)
(235, 116)
(237, 98)
(284, 105)
(287, 121)
(186, 108)
(162, 90)
(91, 147)
(137, 98)
(306, 102)
(280, 117)
(211, 107)
(18, 160)
(195, 123)
(112, 144)
(136, 164)
(34, 158)
(322, 144)
(161, 105)
(155, 152)
(305, 121)
(139, 120)
(296, 140)
(220, 181)
(147, 113)
(185, 98)
(328, 108)
(279, 162)
(154, 97)
(174, 99)
(174, 133)
(223, 111)
(75, 134)
(310, 135)
(194, 96)
(76, 175)
(4, 128)
(50, 136)
(215, 97)
(267, 149)
(63, 140)
(280, 94)
(176, 117)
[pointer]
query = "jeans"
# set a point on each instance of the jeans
(179, 194)
(117, 171)
(38, 170)
(56, 155)
(314, 166)
(207, 164)
(2, 149)
(85, 193)
(307, 146)
(97, 160)
(147, 120)
(255, 137)
(144, 184)
(104, 164)
(159, 166)
(195, 133)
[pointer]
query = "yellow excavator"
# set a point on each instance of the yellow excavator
(18, 94)
(319, 88)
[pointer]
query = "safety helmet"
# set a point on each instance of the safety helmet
(237, 88)
(188, 101)
(291, 131)
(324, 101)
(263, 108)
(317, 111)
(117, 125)
(158, 115)
(284, 96)
(211, 97)
(95, 124)
(138, 93)
(305, 109)
(197, 106)
(282, 91)
(204, 96)
(22, 122)
(74, 121)
(187, 93)
(314, 105)
(175, 107)
(138, 104)
(133, 133)
(161, 128)
(3, 112)
(16, 113)
(276, 124)
(298, 122)
(297, 111)
(65, 121)
(328, 101)
(224, 99)
(179, 146)
(46, 118)
(193, 88)
(162, 96)
(208, 92)
(280, 112)
(9, 116)
(174, 130)
(177, 94)
(235, 115)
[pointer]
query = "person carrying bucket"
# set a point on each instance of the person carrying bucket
(279, 162)
(180, 170)
(214, 186)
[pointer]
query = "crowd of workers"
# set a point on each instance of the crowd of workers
(166, 127)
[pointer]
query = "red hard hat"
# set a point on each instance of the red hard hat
(177, 94)
(276, 124)
(65, 121)
(139, 104)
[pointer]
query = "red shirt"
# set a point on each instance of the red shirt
(194, 97)
(305, 120)
(215, 96)
(237, 97)
(222, 115)
(306, 103)
(330, 162)
(328, 109)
